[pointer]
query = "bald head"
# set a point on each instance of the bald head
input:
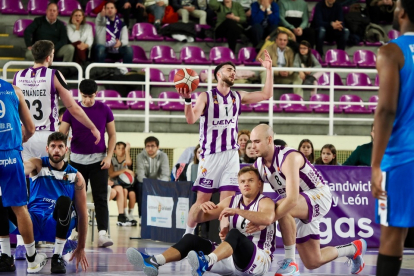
(262, 140)
(263, 131)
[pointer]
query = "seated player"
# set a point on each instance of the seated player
(240, 253)
(57, 202)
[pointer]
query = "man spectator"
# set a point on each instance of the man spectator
(48, 27)
(156, 8)
(128, 7)
(185, 8)
(328, 21)
(111, 36)
(294, 16)
(283, 56)
(264, 20)
(361, 156)
(381, 10)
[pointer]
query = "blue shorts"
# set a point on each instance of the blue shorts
(12, 179)
(398, 209)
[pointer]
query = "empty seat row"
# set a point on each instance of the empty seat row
(38, 7)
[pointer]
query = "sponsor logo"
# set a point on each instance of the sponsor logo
(159, 207)
(223, 122)
(316, 210)
(6, 162)
(383, 206)
(153, 219)
(206, 182)
(204, 171)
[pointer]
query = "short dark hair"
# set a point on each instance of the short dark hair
(120, 143)
(282, 32)
(218, 67)
(249, 169)
(88, 87)
(57, 136)
(152, 139)
(62, 111)
(41, 49)
(110, 2)
(279, 142)
(408, 6)
(52, 3)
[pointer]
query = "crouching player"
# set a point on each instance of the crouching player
(240, 253)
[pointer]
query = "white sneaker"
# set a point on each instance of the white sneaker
(104, 240)
(37, 265)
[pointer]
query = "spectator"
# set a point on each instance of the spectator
(128, 7)
(328, 156)
(271, 39)
(279, 142)
(306, 148)
(185, 8)
(48, 27)
(230, 20)
(294, 16)
(242, 138)
(381, 10)
(111, 36)
(328, 21)
(264, 20)
(250, 156)
(283, 56)
(90, 159)
(361, 156)
(192, 167)
(61, 112)
(305, 59)
(80, 34)
(156, 8)
(246, 4)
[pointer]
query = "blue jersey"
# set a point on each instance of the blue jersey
(10, 128)
(400, 148)
(49, 184)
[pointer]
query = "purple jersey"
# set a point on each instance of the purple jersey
(38, 87)
(218, 123)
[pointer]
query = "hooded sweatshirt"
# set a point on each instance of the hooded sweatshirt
(154, 168)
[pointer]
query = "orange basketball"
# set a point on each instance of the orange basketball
(186, 79)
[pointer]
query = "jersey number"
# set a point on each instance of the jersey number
(227, 112)
(2, 109)
(243, 224)
(38, 105)
(278, 181)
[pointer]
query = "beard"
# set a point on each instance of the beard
(228, 81)
(54, 160)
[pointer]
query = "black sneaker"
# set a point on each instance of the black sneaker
(58, 265)
(7, 263)
(123, 220)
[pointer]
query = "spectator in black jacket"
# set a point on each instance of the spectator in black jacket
(48, 27)
(328, 21)
(128, 7)
(185, 8)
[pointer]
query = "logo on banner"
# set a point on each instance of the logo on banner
(206, 182)
(159, 214)
(159, 207)
(181, 213)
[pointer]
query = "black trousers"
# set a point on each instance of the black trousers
(137, 13)
(138, 192)
(231, 31)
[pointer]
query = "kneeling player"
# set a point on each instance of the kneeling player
(240, 253)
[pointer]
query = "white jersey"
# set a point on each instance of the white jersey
(218, 123)
(37, 85)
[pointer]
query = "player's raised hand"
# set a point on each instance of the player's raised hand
(80, 256)
(376, 180)
(96, 134)
(184, 93)
(267, 63)
(227, 212)
(207, 206)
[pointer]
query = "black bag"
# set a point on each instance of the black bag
(124, 89)
(309, 80)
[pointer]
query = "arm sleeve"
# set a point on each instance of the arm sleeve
(214, 5)
(257, 14)
(89, 35)
(296, 61)
(353, 158)
(63, 39)
(305, 16)
(100, 20)
(240, 13)
(70, 31)
(282, 13)
(67, 117)
(165, 168)
(176, 4)
(274, 16)
(140, 168)
(124, 36)
(340, 14)
(29, 32)
(318, 18)
(316, 63)
(109, 114)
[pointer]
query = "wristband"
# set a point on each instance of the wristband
(187, 100)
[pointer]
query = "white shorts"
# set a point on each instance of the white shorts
(35, 147)
(319, 203)
(218, 172)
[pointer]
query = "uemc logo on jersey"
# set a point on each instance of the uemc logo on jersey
(204, 182)
(6, 162)
(224, 122)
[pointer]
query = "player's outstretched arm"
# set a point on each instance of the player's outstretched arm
(192, 114)
(209, 211)
(32, 166)
(28, 128)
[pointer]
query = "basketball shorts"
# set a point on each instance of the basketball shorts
(319, 202)
(36, 146)
(12, 179)
(398, 208)
(218, 172)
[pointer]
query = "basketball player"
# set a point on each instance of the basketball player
(218, 111)
(305, 200)
(13, 191)
(392, 158)
(239, 253)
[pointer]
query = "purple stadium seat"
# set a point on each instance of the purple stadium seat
(156, 75)
(264, 107)
(373, 99)
(74, 92)
(377, 80)
(338, 58)
(319, 58)
(355, 109)
(220, 54)
(322, 108)
(37, 7)
(90, 6)
(193, 55)
(293, 107)
(393, 34)
(163, 54)
(139, 104)
(246, 108)
(65, 7)
(20, 25)
(113, 104)
(358, 79)
(199, 28)
(171, 106)
(145, 31)
(205, 72)
(325, 80)
(172, 74)
(365, 59)
(247, 56)
(93, 27)
(12, 7)
(139, 55)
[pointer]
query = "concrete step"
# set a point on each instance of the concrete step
(11, 51)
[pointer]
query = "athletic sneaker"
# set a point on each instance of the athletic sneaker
(123, 220)
(70, 246)
(6, 263)
(357, 261)
(37, 265)
(147, 263)
(20, 253)
(287, 267)
(58, 265)
(104, 240)
(198, 263)
(132, 220)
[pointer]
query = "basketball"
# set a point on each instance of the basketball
(186, 79)
(126, 179)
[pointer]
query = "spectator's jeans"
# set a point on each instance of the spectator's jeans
(259, 33)
(329, 34)
(202, 15)
(66, 52)
(157, 11)
(125, 52)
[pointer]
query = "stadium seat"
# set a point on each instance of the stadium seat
(193, 55)
(221, 54)
(168, 105)
(156, 75)
(92, 4)
(247, 56)
(172, 74)
(65, 7)
(355, 109)
(246, 108)
(93, 27)
(199, 28)
(20, 25)
(145, 31)
(293, 107)
(163, 54)
(358, 79)
(377, 80)
(319, 58)
(112, 104)
(338, 58)
(139, 104)
(264, 107)
(202, 79)
(139, 55)
(365, 59)
(393, 34)
(37, 7)
(12, 7)
(74, 92)
(322, 108)
(325, 80)
(373, 99)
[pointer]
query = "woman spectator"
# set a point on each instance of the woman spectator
(192, 167)
(250, 156)
(305, 59)
(242, 138)
(264, 20)
(80, 35)
(306, 148)
(328, 156)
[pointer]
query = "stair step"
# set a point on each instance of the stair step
(4, 35)
(11, 58)
(6, 46)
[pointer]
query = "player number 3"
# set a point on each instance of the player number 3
(38, 105)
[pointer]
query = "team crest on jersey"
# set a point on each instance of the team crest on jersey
(203, 171)
(383, 206)
(215, 99)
